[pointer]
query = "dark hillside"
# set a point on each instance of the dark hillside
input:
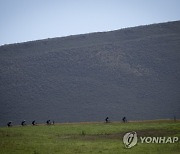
(133, 72)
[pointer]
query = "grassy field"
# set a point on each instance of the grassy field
(94, 138)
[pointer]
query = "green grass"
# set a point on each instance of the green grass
(94, 138)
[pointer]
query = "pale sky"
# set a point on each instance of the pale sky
(26, 20)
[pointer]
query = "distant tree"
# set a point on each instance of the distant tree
(174, 118)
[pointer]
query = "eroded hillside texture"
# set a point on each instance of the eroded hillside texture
(132, 72)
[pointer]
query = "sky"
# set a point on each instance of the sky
(26, 20)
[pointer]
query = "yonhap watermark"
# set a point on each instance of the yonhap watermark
(159, 139)
(130, 139)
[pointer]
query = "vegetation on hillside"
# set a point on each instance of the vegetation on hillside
(133, 72)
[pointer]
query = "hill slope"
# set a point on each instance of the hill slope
(133, 72)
